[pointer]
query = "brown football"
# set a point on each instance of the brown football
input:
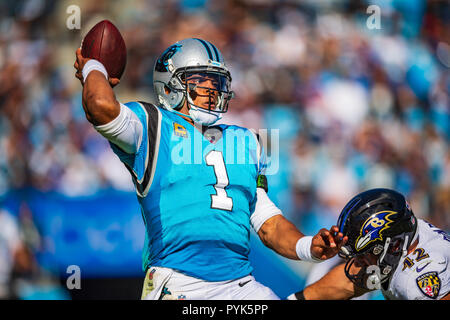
(105, 44)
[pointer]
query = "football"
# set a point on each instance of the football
(105, 44)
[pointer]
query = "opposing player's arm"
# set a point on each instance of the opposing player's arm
(99, 102)
(333, 286)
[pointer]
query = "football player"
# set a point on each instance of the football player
(388, 248)
(197, 205)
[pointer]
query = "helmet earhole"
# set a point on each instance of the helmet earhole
(167, 89)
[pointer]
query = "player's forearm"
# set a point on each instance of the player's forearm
(281, 235)
(333, 286)
(99, 101)
(328, 291)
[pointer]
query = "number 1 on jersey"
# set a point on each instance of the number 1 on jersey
(220, 200)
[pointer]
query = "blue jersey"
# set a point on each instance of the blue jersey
(196, 191)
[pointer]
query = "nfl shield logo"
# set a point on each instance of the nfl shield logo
(430, 284)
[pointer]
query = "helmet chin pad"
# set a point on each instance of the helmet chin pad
(204, 117)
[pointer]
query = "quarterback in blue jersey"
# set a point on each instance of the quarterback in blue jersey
(201, 186)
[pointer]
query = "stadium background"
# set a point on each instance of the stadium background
(356, 108)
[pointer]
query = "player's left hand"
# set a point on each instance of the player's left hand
(326, 243)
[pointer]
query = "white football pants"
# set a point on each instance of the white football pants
(167, 284)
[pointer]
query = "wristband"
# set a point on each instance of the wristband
(303, 249)
(92, 65)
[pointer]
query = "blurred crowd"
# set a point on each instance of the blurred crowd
(357, 106)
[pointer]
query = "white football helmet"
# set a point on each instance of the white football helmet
(178, 75)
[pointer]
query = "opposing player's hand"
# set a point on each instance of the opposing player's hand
(326, 243)
(80, 61)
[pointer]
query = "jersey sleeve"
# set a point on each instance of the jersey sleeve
(264, 210)
(125, 131)
(141, 164)
(134, 161)
(263, 207)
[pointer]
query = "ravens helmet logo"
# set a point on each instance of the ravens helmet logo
(373, 227)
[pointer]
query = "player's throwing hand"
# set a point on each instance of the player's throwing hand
(79, 65)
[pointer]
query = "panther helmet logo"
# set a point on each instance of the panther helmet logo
(162, 63)
(373, 228)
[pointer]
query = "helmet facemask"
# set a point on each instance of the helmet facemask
(375, 265)
(207, 93)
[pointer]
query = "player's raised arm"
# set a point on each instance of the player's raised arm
(114, 121)
(99, 101)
